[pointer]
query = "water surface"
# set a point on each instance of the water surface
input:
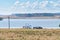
(18, 23)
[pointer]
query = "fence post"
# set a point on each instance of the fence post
(8, 22)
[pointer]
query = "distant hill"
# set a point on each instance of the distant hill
(36, 14)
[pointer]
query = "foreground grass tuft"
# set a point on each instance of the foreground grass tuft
(29, 34)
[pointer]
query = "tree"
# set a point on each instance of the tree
(1, 18)
(59, 25)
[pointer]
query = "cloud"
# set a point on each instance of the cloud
(14, 6)
(27, 4)
(16, 3)
(43, 4)
(33, 7)
(53, 3)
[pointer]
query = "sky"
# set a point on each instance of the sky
(8, 7)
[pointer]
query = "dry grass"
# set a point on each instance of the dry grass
(29, 34)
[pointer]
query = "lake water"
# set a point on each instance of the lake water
(18, 23)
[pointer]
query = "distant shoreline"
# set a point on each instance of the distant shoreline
(41, 17)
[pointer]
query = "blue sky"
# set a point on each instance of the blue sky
(29, 6)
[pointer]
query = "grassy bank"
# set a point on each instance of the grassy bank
(29, 34)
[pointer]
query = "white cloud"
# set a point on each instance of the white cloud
(24, 7)
(14, 6)
(16, 3)
(29, 7)
(34, 5)
(27, 4)
(43, 4)
(53, 3)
